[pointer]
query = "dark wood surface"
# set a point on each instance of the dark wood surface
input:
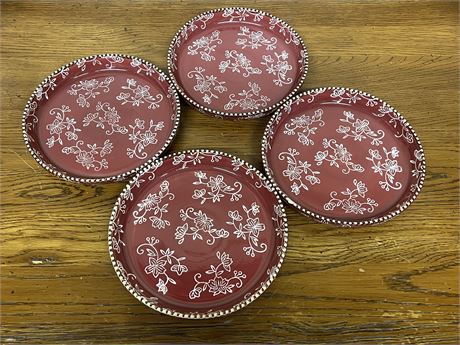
(395, 283)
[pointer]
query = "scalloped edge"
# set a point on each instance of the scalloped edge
(197, 315)
(119, 177)
(327, 220)
(243, 115)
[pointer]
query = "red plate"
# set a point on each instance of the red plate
(198, 234)
(237, 62)
(101, 118)
(343, 157)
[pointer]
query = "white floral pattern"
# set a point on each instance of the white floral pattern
(298, 171)
(350, 203)
(208, 86)
(197, 225)
(138, 94)
(250, 99)
(280, 225)
(50, 83)
(88, 89)
(216, 188)
(205, 45)
(388, 168)
(417, 170)
(254, 39)
(148, 70)
(238, 164)
(97, 60)
(352, 96)
(161, 263)
(117, 233)
(143, 139)
(60, 124)
(222, 280)
(397, 121)
(336, 155)
(283, 28)
(307, 125)
(248, 228)
(359, 129)
(279, 67)
(238, 62)
(154, 203)
(88, 157)
(110, 118)
(194, 158)
(199, 22)
(242, 14)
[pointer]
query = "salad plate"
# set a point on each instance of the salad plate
(343, 156)
(198, 234)
(101, 118)
(237, 62)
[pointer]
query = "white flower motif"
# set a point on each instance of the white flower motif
(238, 62)
(250, 99)
(138, 94)
(351, 204)
(89, 90)
(249, 230)
(218, 284)
(217, 188)
(154, 202)
(307, 127)
(359, 129)
(199, 225)
(388, 169)
(254, 39)
(143, 139)
(209, 86)
(87, 157)
(339, 155)
(279, 68)
(110, 117)
(60, 123)
(161, 263)
(205, 45)
(298, 171)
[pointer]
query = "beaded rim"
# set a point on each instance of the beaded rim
(119, 177)
(211, 314)
(241, 115)
(323, 219)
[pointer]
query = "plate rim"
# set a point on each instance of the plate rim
(239, 115)
(65, 175)
(329, 220)
(199, 315)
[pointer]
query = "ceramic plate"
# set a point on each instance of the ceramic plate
(198, 234)
(101, 118)
(237, 62)
(343, 156)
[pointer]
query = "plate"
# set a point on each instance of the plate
(101, 118)
(198, 234)
(237, 62)
(343, 156)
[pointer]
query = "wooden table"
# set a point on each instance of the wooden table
(393, 283)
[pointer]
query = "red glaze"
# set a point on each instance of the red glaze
(344, 156)
(238, 62)
(101, 117)
(198, 233)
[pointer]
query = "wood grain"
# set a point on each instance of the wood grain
(395, 283)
